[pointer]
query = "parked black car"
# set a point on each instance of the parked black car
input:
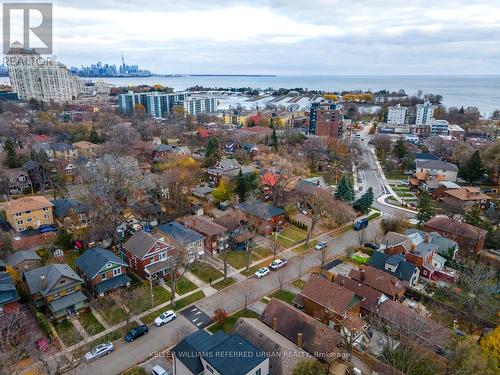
(372, 245)
(136, 332)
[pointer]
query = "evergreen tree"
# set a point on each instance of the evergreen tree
(274, 140)
(212, 147)
(473, 169)
(408, 162)
(345, 190)
(244, 184)
(399, 150)
(11, 158)
(94, 137)
(364, 203)
(425, 208)
(473, 216)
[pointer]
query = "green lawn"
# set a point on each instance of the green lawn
(255, 268)
(222, 284)
(228, 325)
(183, 285)
(373, 216)
(299, 283)
(283, 295)
(113, 314)
(238, 258)
(90, 324)
(192, 298)
(142, 301)
(291, 235)
(205, 271)
(148, 319)
(261, 252)
(135, 371)
(68, 334)
(302, 248)
(360, 260)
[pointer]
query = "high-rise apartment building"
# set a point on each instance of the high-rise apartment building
(40, 78)
(326, 119)
(424, 113)
(159, 104)
(396, 115)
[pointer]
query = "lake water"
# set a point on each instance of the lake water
(477, 91)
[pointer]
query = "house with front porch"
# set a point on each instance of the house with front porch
(147, 255)
(182, 237)
(58, 289)
(102, 271)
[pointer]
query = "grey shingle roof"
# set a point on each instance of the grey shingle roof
(140, 243)
(260, 209)
(8, 292)
(22, 255)
(114, 282)
(52, 273)
(67, 301)
(436, 164)
(62, 207)
(93, 260)
(180, 233)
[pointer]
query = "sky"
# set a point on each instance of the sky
(312, 37)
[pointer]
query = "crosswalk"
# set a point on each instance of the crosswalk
(197, 317)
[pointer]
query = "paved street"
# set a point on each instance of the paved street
(129, 354)
(197, 317)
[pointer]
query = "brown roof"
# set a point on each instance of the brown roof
(203, 225)
(232, 219)
(316, 337)
(84, 145)
(468, 194)
(27, 203)
(370, 297)
(330, 295)
(379, 280)
(393, 239)
(423, 330)
(447, 225)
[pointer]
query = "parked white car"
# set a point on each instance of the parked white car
(262, 272)
(321, 245)
(99, 351)
(277, 264)
(166, 317)
(158, 370)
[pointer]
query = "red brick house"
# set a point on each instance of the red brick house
(147, 256)
(379, 280)
(265, 217)
(216, 236)
(470, 239)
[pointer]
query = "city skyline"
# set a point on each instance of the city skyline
(276, 37)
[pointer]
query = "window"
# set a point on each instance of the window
(258, 372)
(117, 271)
(46, 216)
(103, 276)
(19, 222)
(27, 212)
(18, 214)
(45, 208)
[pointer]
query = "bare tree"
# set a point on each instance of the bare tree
(179, 263)
(121, 138)
(280, 278)
(247, 294)
(5, 185)
(15, 341)
(322, 254)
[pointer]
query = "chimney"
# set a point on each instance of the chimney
(362, 275)
(299, 340)
(342, 282)
(427, 238)
(275, 323)
(43, 281)
(413, 247)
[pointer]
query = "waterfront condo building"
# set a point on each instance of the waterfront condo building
(45, 80)
(424, 113)
(396, 115)
(326, 119)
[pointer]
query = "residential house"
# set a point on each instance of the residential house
(38, 175)
(227, 168)
(262, 216)
(438, 167)
(63, 151)
(216, 236)
(466, 197)
(182, 237)
(442, 187)
(370, 298)
(236, 224)
(307, 332)
(19, 181)
(29, 212)
(102, 271)
(58, 288)
(24, 260)
(86, 149)
(284, 354)
(160, 151)
(330, 303)
(147, 255)
(202, 192)
(72, 213)
(309, 186)
(396, 265)
(8, 294)
(219, 354)
(469, 238)
(379, 280)
(446, 247)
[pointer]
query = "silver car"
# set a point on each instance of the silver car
(99, 351)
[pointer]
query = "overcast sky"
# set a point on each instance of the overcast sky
(283, 36)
